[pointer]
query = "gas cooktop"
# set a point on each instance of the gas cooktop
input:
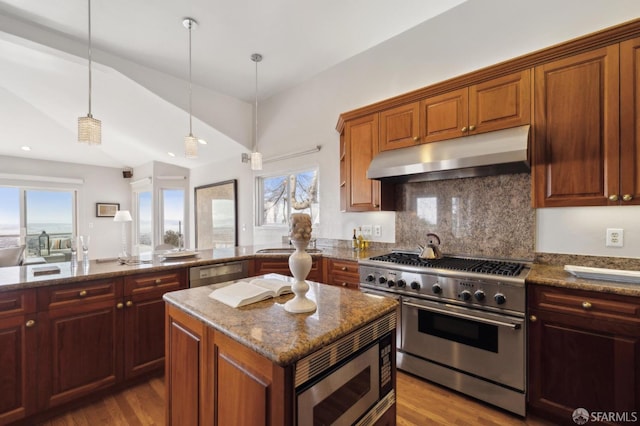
(463, 264)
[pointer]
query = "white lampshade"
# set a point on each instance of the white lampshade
(122, 216)
(256, 161)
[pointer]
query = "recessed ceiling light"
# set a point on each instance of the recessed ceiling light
(26, 148)
(171, 154)
(202, 141)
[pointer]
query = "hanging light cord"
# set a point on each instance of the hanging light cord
(255, 144)
(190, 120)
(90, 58)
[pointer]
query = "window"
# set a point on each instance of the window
(52, 211)
(172, 216)
(144, 223)
(281, 195)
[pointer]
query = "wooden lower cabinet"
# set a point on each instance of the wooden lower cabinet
(79, 351)
(584, 352)
(17, 355)
(343, 273)
(210, 379)
(280, 265)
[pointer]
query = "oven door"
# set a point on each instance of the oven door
(484, 344)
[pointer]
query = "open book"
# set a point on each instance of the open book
(244, 293)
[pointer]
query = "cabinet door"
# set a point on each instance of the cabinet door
(399, 127)
(576, 140)
(79, 351)
(630, 121)
(445, 116)
(576, 363)
(18, 370)
(361, 144)
(500, 103)
(144, 319)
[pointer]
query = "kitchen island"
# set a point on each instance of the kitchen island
(250, 365)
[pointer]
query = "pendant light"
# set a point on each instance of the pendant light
(190, 141)
(256, 157)
(89, 128)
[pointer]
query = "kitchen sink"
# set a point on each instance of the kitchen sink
(281, 250)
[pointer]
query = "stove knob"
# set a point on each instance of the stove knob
(391, 283)
(370, 278)
(436, 288)
(500, 298)
(479, 295)
(415, 285)
(382, 280)
(402, 283)
(466, 295)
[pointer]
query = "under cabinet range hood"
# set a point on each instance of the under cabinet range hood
(486, 154)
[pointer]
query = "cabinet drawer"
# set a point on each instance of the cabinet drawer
(588, 304)
(342, 273)
(161, 282)
(343, 267)
(17, 302)
(78, 293)
(344, 280)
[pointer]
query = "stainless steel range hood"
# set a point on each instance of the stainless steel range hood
(492, 153)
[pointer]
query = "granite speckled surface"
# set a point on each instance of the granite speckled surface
(22, 277)
(549, 270)
(481, 217)
(281, 336)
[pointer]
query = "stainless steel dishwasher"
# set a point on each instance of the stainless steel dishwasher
(218, 273)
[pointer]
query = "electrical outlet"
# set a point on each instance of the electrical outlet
(615, 237)
(366, 231)
(377, 232)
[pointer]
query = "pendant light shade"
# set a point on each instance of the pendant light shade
(190, 141)
(256, 157)
(89, 128)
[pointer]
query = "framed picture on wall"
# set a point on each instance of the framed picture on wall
(216, 215)
(107, 209)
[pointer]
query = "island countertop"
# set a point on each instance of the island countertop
(278, 335)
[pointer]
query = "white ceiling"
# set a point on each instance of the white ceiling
(43, 68)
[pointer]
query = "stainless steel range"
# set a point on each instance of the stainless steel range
(462, 321)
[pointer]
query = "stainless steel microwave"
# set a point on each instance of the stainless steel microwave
(357, 390)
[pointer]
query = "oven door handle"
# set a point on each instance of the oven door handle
(464, 316)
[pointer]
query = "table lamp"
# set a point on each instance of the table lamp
(123, 216)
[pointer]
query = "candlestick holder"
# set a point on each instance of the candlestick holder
(300, 265)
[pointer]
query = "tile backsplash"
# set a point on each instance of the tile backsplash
(485, 216)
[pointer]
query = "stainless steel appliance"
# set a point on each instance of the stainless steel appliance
(218, 273)
(348, 382)
(462, 321)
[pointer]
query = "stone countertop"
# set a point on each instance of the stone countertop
(280, 336)
(556, 276)
(23, 277)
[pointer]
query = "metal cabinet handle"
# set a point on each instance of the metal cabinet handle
(533, 318)
(344, 268)
(472, 128)
(586, 305)
(82, 293)
(613, 197)
(344, 284)
(30, 323)
(416, 138)
(120, 305)
(464, 129)
(627, 197)
(129, 303)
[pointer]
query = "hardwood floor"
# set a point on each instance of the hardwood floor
(419, 403)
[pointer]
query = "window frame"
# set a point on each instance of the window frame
(259, 199)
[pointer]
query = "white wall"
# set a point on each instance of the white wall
(101, 184)
(493, 31)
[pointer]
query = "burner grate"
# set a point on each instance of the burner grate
(493, 267)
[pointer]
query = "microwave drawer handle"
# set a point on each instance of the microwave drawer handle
(464, 316)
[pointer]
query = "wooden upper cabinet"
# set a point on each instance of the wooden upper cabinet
(361, 145)
(400, 127)
(500, 103)
(496, 104)
(445, 116)
(630, 121)
(577, 137)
